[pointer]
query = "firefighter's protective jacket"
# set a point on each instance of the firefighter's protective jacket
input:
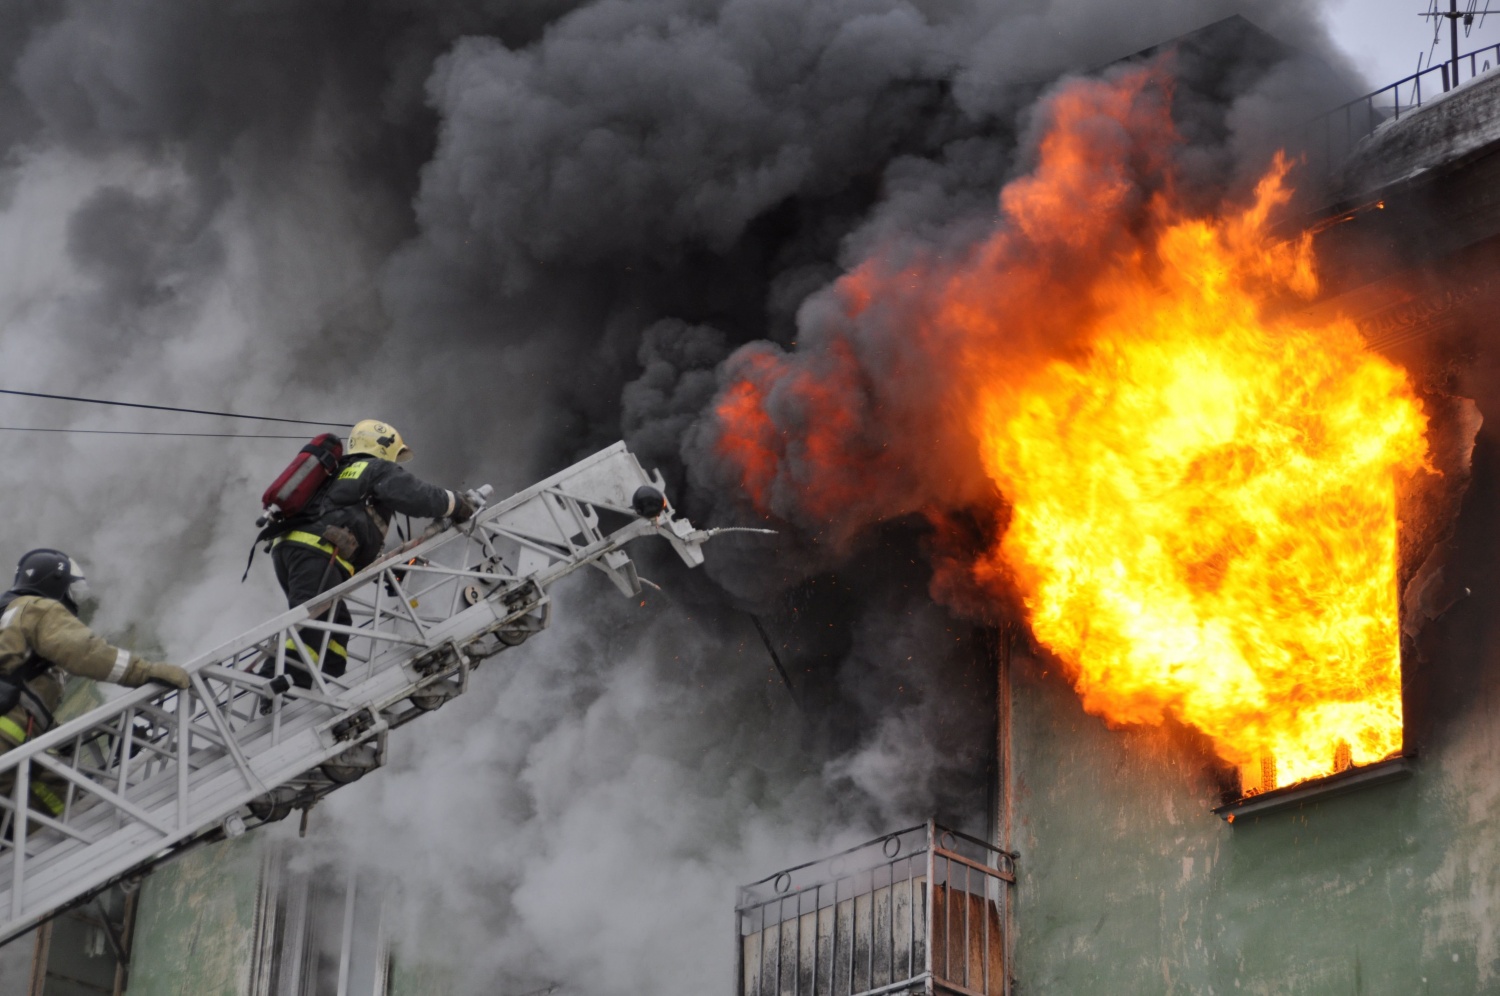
(31, 625)
(364, 496)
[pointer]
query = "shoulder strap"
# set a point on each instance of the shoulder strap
(317, 506)
(366, 477)
(22, 676)
(272, 530)
(5, 600)
(324, 502)
(33, 667)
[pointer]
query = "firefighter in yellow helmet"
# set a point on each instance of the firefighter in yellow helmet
(343, 528)
(40, 637)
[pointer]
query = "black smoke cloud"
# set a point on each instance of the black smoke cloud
(521, 231)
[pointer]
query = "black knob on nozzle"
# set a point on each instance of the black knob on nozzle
(648, 502)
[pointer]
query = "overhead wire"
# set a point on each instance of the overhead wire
(142, 432)
(171, 408)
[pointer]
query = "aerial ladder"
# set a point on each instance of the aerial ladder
(156, 771)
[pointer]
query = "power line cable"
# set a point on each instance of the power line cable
(170, 408)
(133, 432)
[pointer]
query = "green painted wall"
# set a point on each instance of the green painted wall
(195, 924)
(421, 980)
(1128, 884)
(424, 959)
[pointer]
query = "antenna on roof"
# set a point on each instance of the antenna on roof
(1453, 16)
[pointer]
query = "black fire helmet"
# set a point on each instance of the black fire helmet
(51, 574)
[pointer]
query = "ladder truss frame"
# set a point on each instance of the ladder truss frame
(157, 770)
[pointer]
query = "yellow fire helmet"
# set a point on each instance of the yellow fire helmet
(378, 439)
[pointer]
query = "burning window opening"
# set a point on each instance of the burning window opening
(1204, 518)
(857, 923)
(1428, 508)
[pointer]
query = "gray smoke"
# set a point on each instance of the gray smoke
(678, 364)
(521, 231)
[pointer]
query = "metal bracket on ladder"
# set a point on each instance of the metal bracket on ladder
(157, 770)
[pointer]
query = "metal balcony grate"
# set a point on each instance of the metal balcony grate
(921, 910)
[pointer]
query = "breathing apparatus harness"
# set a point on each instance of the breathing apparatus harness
(296, 498)
(15, 685)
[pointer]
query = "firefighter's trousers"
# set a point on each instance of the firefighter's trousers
(305, 572)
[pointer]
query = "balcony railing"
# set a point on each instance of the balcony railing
(1328, 138)
(921, 910)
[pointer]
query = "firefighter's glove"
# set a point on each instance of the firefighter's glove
(166, 674)
(464, 508)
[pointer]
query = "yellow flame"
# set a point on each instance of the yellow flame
(1204, 503)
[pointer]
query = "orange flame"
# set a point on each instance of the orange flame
(1204, 507)
(1201, 484)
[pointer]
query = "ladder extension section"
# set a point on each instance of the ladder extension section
(157, 770)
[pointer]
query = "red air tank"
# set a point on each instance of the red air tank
(294, 488)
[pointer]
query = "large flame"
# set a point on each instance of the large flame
(1204, 505)
(1201, 484)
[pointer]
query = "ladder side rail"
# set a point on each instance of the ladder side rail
(197, 738)
(215, 698)
(212, 773)
(135, 843)
(256, 638)
(300, 756)
(300, 752)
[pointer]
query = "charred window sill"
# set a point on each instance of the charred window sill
(1318, 789)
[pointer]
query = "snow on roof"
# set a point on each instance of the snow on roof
(1442, 130)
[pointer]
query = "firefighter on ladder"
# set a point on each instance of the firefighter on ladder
(41, 635)
(343, 530)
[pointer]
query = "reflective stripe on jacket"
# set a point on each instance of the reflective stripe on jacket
(317, 543)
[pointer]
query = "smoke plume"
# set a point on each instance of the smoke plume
(521, 231)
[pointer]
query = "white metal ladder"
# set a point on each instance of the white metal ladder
(157, 770)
